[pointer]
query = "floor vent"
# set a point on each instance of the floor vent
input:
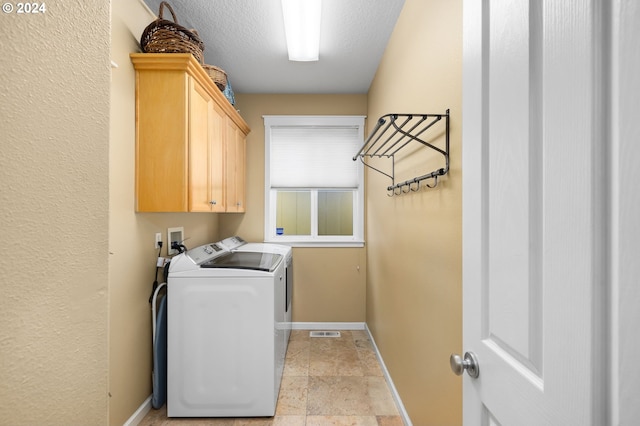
(324, 334)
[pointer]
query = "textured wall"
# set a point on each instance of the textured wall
(131, 235)
(414, 241)
(54, 213)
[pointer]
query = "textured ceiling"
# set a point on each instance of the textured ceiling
(246, 38)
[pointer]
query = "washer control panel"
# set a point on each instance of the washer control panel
(232, 243)
(205, 253)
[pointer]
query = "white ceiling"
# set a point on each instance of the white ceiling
(246, 39)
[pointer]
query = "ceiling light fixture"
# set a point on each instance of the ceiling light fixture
(302, 28)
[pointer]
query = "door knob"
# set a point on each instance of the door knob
(469, 363)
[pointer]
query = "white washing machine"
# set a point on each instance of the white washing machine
(225, 341)
(237, 244)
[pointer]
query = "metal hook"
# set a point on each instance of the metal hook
(417, 186)
(397, 193)
(408, 188)
(389, 192)
(435, 182)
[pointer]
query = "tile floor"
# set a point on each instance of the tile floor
(326, 381)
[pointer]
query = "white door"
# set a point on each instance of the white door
(534, 207)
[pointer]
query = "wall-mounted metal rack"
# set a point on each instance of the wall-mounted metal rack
(392, 133)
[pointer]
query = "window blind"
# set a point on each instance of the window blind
(314, 156)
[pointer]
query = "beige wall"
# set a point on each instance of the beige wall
(329, 283)
(414, 240)
(78, 263)
(54, 195)
(131, 235)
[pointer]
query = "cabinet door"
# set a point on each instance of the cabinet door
(235, 168)
(216, 170)
(206, 127)
(200, 118)
(161, 142)
(241, 171)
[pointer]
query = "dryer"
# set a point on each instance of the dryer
(225, 335)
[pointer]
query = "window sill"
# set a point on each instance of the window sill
(310, 243)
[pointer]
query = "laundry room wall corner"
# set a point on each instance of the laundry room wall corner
(132, 255)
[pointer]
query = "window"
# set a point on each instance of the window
(314, 191)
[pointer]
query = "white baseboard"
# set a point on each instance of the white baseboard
(142, 411)
(328, 326)
(392, 387)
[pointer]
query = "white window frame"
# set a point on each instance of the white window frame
(313, 240)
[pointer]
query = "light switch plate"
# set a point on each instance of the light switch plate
(174, 234)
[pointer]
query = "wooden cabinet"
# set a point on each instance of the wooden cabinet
(190, 141)
(206, 163)
(235, 173)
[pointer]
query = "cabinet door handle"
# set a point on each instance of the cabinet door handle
(212, 202)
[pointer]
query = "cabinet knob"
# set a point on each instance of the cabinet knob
(212, 202)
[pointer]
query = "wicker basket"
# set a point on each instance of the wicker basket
(163, 36)
(218, 75)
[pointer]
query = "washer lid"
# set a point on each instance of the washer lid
(267, 262)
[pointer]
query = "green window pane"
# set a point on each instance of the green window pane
(335, 212)
(293, 212)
